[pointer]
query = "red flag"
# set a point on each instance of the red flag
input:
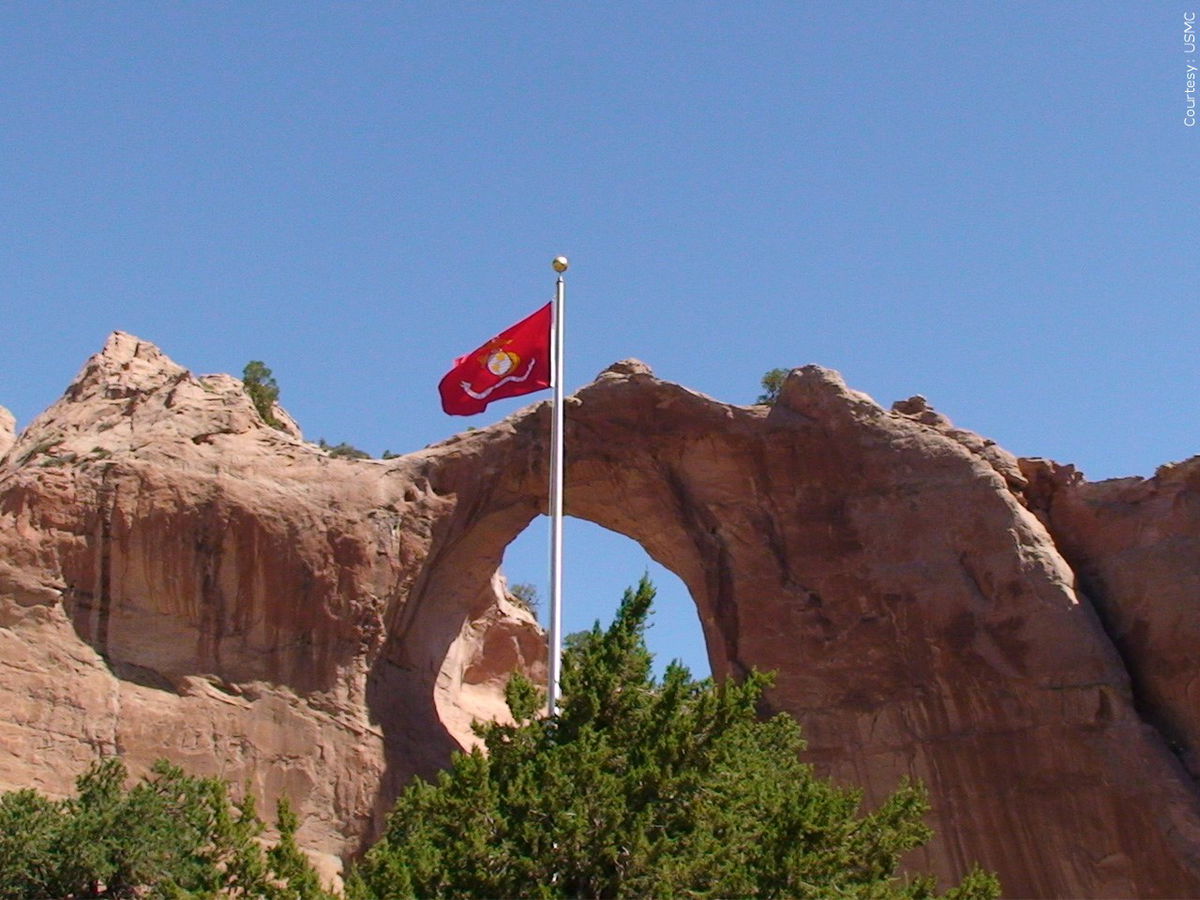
(514, 362)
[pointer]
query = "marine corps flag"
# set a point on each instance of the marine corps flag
(514, 362)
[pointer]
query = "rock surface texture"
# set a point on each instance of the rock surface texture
(7, 430)
(178, 579)
(1135, 544)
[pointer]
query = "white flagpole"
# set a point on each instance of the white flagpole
(556, 494)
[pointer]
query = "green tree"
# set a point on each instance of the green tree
(260, 386)
(640, 788)
(168, 836)
(287, 861)
(772, 383)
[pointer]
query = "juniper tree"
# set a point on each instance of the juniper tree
(260, 386)
(772, 383)
(169, 835)
(644, 788)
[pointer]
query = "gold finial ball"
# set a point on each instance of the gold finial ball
(560, 264)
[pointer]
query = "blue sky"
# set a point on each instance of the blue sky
(991, 204)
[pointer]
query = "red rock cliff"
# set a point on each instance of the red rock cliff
(177, 578)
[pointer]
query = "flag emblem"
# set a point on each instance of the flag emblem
(501, 362)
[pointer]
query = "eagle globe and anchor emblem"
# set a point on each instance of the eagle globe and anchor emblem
(502, 363)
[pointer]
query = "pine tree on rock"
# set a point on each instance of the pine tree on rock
(261, 387)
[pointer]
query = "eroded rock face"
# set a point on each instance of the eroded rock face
(919, 616)
(8, 433)
(176, 578)
(1135, 543)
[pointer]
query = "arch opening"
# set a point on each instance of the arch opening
(598, 565)
(437, 670)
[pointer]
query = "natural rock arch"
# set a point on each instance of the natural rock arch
(178, 579)
(919, 617)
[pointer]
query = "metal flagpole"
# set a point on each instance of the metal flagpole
(556, 493)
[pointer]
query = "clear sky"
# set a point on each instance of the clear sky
(992, 204)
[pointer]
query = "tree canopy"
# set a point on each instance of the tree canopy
(641, 788)
(772, 383)
(168, 836)
(260, 386)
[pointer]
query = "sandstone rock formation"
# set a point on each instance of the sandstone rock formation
(177, 578)
(1135, 544)
(8, 426)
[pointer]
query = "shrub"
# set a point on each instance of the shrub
(342, 450)
(525, 595)
(169, 835)
(772, 383)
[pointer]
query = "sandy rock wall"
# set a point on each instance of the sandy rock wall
(1135, 543)
(8, 435)
(178, 579)
(920, 617)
